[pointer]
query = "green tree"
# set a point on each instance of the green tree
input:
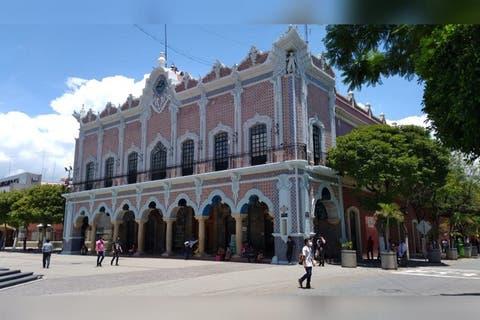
(43, 204)
(445, 58)
(7, 202)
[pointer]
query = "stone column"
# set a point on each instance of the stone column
(116, 226)
(141, 236)
(201, 235)
(168, 239)
(92, 237)
(238, 233)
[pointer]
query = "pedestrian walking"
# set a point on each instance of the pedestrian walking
(307, 262)
(100, 248)
(116, 250)
(189, 248)
(47, 249)
(370, 245)
(290, 248)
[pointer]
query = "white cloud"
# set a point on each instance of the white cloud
(420, 121)
(47, 141)
(95, 94)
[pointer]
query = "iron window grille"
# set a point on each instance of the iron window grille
(258, 144)
(109, 163)
(90, 167)
(158, 162)
(188, 150)
(132, 167)
(221, 151)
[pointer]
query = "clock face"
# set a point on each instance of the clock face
(161, 85)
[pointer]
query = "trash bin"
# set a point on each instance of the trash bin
(461, 248)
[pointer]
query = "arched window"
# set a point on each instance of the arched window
(221, 151)
(109, 163)
(188, 149)
(317, 145)
(258, 144)
(158, 162)
(132, 167)
(89, 172)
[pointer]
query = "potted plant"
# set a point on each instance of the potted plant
(388, 212)
(349, 256)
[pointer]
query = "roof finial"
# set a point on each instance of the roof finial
(161, 60)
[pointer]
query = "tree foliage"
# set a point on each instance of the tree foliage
(445, 58)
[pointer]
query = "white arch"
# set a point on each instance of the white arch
(133, 148)
(180, 140)
(214, 193)
(190, 203)
(145, 208)
(211, 137)
(152, 145)
(261, 197)
(120, 210)
(333, 201)
(95, 167)
(357, 224)
(109, 154)
(257, 119)
(315, 121)
(77, 215)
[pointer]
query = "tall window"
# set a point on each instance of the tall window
(188, 150)
(317, 146)
(90, 169)
(132, 167)
(109, 163)
(258, 144)
(221, 151)
(158, 162)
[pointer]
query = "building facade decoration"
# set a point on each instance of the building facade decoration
(256, 184)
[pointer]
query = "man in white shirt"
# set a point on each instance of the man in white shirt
(307, 263)
(47, 249)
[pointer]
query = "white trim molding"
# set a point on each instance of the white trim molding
(105, 157)
(257, 119)
(315, 121)
(152, 145)
(133, 148)
(211, 139)
(187, 135)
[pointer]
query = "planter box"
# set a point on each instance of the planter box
(474, 252)
(435, 256)
(389, 260)
(349, 258)
(452, 254)
(467, 253)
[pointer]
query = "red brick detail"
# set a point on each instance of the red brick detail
(159, 123)
(110, 141)
(188, 119)
(132, 135)
(258, 99)
(89, 148)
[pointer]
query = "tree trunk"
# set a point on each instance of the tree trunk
(4, 244)
(387, 236)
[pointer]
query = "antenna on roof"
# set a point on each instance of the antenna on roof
(166, 54)
(306, 33)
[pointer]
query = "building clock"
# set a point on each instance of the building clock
(161, 85)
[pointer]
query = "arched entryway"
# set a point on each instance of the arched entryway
(80, 232)
(259, 226)
(128, 228)
(155, 231)
(185, 226)
(219, 226)
(327, 224)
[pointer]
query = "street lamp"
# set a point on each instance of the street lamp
(68, 169)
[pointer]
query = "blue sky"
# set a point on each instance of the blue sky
(38, 62)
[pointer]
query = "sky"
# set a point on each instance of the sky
(48, 71)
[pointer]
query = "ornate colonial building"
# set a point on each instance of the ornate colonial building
(236, 156)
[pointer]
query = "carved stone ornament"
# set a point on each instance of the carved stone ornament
(291, 62)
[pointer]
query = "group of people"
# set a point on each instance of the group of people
(100, 249)
(319, 246)
(249, 252)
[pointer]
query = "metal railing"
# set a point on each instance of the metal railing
(272, 155)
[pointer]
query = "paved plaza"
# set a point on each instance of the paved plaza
(77, 275)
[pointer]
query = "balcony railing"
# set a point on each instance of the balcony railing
(272, 155)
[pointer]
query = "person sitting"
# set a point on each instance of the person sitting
(259, 257)
(131, 251)
(402, 253)
(220, 254)
(83, 250)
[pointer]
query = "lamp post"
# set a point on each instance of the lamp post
(69, 170)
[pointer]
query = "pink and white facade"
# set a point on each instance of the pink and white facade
(236, 156)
